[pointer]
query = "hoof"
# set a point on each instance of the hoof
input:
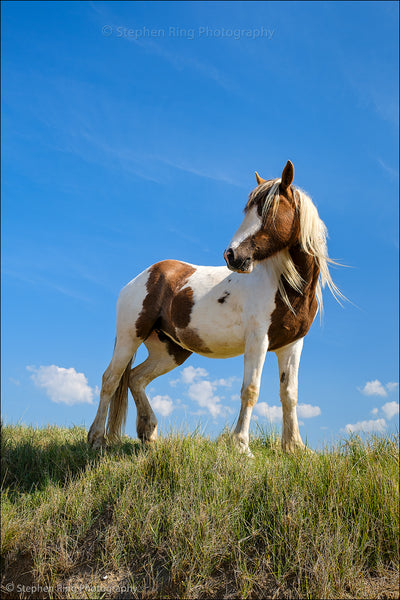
(147, 435)
(294, 447)
(243, 447)
(148, 441)
(247, 453)
(96, 440)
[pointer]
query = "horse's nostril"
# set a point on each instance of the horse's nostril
(229, 255)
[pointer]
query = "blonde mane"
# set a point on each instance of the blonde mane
(313, 236)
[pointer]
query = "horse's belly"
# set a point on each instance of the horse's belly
(213, 334)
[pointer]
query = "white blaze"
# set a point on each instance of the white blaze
(250, 225)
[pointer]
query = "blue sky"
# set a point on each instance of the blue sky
(131, 133)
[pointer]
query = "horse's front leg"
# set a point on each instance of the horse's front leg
(254, 356)
(289, 360)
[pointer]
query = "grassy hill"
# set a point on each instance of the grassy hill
(190, 518)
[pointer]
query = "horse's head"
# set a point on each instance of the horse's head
(271, 223)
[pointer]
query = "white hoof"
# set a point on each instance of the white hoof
(248, 453)
(243, 447)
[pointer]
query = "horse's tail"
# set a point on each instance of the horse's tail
(119, 406)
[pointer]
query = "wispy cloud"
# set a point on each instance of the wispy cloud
(375, 86)
(394, 173)
(392, 386)
(74, 130)
(182, 61)
(63, 386)
(37, 280)
(207, 173)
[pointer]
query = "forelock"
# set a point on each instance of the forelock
(258, 196)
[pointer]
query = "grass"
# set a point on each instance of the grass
(190, 518)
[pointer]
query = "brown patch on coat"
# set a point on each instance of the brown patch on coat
(181, 308)
(285, 326)
(191, 339)
(173, 349)
(167, 307)
(165, 280)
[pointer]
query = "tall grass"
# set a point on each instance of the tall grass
(190, 518)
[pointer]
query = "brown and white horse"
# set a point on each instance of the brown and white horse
(266, 298)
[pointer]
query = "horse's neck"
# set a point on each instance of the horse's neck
(307, 268)
(288, 325)
(304, 301)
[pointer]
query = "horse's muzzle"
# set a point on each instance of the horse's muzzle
(236, 263)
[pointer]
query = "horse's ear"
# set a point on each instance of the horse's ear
(260, 180)
(287, 175)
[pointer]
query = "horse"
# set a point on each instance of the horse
(264, 299)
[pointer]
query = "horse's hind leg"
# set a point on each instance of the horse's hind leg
(124, 350)
(164, 355)
(289, 360)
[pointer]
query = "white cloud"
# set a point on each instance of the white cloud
(378, 425)
(63, 385)
(162, 404)
(374, 411)
(390, 409)
(307, 411)
(202, 392)
(226, 382)
(373, 388)
(392, 385)
(189, 374)
(274, 413)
